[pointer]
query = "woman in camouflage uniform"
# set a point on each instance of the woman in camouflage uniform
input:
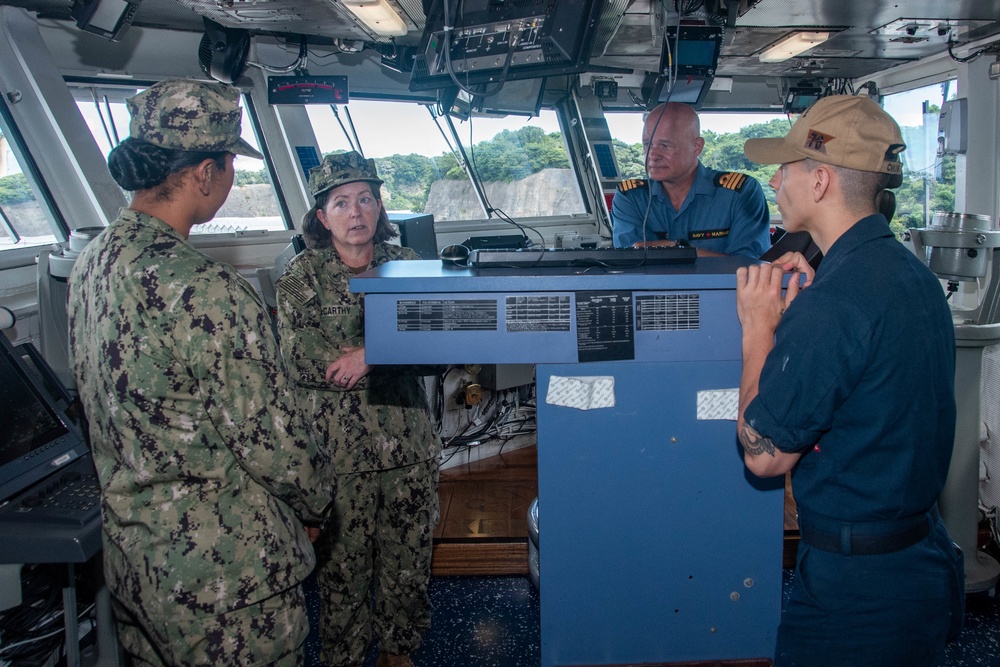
(204, 460)
(373, 419)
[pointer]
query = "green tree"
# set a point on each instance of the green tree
(911, 195)
(446, 166)
(631, 161)
(724, 152)
(14, 189)
(408, 180)
(249, 177)
(515, 154)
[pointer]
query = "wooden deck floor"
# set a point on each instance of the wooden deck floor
(484, 516)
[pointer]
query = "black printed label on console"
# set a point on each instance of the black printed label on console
(446, 315)
(538, 313)
(604, 326)
(668, 312)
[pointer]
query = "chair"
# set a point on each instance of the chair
(268, 277)
(782, 242)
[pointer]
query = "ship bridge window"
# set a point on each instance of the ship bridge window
(521, 162)
(25, 219)
(928, 170)
(252, 203)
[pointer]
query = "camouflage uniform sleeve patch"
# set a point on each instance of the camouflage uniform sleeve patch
(632, 184)
(296, 289)
(731, 180)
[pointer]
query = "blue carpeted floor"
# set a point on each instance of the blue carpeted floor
(494, 622)
(477, 621)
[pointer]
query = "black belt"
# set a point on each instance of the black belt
(862, 538)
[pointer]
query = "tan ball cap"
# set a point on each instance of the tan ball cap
(843, 130)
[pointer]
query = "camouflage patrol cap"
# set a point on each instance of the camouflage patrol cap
(341, 169)
(191, 116)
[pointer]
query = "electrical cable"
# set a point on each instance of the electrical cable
(450, 456)
(504, 418)
(58, 632)
(489, 207)
(28, 627)
(467, 439)
(446, 47)
(474, 169)
(325, 56)
(300, 62)
(456, 148)
(671, 80)
(506, 218)
(968, 58)
(635, 98)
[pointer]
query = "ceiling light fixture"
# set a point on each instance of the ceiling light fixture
(792, 45)
(378, 15)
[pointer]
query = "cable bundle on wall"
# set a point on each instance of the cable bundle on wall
(496, 416)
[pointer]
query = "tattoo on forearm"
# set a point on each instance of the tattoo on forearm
(754, 443)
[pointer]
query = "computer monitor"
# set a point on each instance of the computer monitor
(516, 98)
(686, 90)
(37, 438)
(801, 97)
(689, 57)
(798, 102)
(107, 18)
(696, 49)
(416, 231)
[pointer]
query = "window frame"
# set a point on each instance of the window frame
(42, 194)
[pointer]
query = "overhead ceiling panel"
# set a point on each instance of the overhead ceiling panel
(319, 18)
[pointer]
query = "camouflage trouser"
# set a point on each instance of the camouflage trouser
(271, 632)
(382, 550)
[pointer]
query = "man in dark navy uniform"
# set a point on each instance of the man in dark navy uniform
(720, 213)
(849, 383)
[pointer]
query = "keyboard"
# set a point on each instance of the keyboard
(600, 257)
(71, 496)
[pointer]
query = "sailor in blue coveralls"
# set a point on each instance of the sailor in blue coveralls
(720, 213)
(849, 383)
